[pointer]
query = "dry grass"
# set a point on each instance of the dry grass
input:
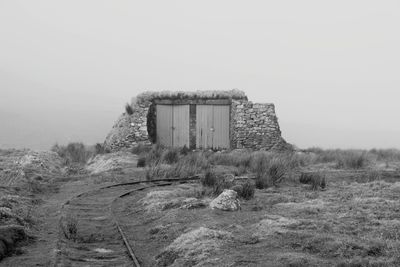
(183, 196)
(128, 109)
(110, 161)
(316, 180)
(270, 172)
(150, 96)
(70, 227)
(73, 153)
(354, 221)
(193, 248)
(192, 164)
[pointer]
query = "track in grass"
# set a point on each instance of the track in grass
(90, 232)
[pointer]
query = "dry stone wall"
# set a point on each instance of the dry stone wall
(252, 125)
(129, 130)
(255, 126)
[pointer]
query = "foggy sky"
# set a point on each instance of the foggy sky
(330, 67)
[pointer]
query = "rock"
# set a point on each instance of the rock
(227, 201)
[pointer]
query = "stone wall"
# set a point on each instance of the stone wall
(255, 126)
(251, 125)
(129, 130)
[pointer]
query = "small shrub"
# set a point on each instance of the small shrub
(247, 191)
(276, 171)
(100, 149)
(260, 183)
(270, 173)
(154, 155)
(184, 150)
(73, 153)
(171, 156)
(128, 109)
(220, 185)
(373, 175)
(237, 188)
(316, 180)
(209, 179)
(386, 154)
(155, 171)
(35, 186)
(352, 160)
(70, 228)
(141, 162)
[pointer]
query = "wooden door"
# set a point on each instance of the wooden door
(180, 126)
(164, 125)
(212, 126)
(221, 126)
(204, 125)
(173, 125)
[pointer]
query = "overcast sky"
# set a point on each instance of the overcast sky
(332, 68)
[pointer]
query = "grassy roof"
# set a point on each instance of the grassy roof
(151, 95)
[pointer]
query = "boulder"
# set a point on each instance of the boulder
(227, 201)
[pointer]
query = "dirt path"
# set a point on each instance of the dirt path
(42, 251)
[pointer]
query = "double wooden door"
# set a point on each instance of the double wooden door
(211, 127)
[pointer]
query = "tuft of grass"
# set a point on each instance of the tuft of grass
(70, 228)
(209, 179)
(270, 172)
(247, 190)
(154, 156)
(238, 159)
(128, 109)
(35, 186)
(352, 160)
(237, 188)
(221, 184)
(171, 156)
(316, 180)
(373, 175)
(73, 153)
(184, 150)
(386, 154)
(216, 183)
(344, 159)
(156, 171)
(141, 162)
(192, 164)
(100, 149)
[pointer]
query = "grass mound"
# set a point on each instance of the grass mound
(273, 224)
(174, 95)
(194, 247)
(179, 197)
(111, 161)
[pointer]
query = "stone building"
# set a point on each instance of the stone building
(202, 119)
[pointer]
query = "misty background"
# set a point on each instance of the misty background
(67, 68)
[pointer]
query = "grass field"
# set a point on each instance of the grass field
(353, 220)
(312, 207)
